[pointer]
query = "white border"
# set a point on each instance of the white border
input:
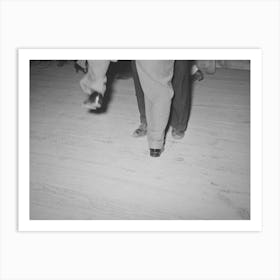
(254, 224)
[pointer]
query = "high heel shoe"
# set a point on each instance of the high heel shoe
(197, 76)
(140, 131)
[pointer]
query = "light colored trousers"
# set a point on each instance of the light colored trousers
(95, 79)
(155, 78)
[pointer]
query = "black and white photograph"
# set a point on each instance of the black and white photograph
(140, 139)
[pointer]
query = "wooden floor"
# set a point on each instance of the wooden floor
(88, 166)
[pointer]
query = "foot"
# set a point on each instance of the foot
(81, 65)
(177, 134)
(197, 76)
(155, 152)
(140, 131)
(94, 101)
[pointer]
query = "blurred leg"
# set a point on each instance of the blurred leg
(181, 103)
(155, 77)
(95, 79)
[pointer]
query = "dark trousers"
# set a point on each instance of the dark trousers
(181, 103)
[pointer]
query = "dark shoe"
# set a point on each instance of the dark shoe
(81, 67)
(197, 76)
(177, 134)
(94, 101)
(155, 152)
(140, 131)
